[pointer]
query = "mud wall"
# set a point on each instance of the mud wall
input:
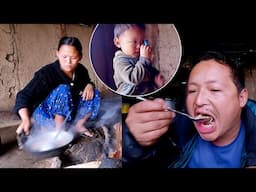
(250, 81)
(24, 48)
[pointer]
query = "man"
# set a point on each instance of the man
(154, 136)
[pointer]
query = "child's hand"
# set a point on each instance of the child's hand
(159, 80)
(146, 51)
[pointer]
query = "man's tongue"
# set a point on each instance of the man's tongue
(206, 126)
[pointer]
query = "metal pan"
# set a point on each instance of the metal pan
(46, 144)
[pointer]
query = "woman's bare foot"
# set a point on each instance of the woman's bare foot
(87, 133)
(80, 128)
(83, 130)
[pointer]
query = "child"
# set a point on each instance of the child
(133, 70)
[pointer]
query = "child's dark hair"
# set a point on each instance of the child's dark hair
(73, 41)
(235, 67)
(120, 28)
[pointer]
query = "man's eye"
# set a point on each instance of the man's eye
(215, 90)
(191, 91)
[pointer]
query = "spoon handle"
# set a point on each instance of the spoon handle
(181, 113)
(173, 110)
(62, 127)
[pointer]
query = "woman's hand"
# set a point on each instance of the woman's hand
(88, 92)
(24, 126)
(25, 121)
(148, 120)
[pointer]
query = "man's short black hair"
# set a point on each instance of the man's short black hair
(225, 59)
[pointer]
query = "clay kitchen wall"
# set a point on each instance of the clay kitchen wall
(250, 81)
(24, 48)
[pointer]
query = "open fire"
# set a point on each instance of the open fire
(104, 146)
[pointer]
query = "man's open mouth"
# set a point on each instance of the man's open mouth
(207, 119)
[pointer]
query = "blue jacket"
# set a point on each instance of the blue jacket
(174, 149)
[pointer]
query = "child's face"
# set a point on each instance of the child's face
(130, 41)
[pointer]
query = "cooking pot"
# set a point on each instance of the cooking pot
(45, 144)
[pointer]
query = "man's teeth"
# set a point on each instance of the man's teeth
(208, 123)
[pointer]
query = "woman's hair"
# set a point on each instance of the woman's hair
(120, 28)
(236, 69)
(73, 41)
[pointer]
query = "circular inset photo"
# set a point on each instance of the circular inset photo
(135, 59)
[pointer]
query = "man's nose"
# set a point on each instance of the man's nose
(201, 98)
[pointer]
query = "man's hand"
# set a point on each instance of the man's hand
(148, 120)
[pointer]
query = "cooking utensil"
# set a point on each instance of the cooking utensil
(62, 127)
(45, 144)
(198, 118)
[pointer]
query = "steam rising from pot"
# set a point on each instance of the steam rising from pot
(109, 113)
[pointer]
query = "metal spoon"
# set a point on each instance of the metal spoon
(61, 128)
(199, 118)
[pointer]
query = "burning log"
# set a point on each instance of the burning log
(113, 141)
(116, 153)
(112, 146)
(106, 144)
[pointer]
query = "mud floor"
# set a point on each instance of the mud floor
(13, 157)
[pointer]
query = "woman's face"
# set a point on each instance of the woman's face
(130, 41)
(69, 58)
(212, 92)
